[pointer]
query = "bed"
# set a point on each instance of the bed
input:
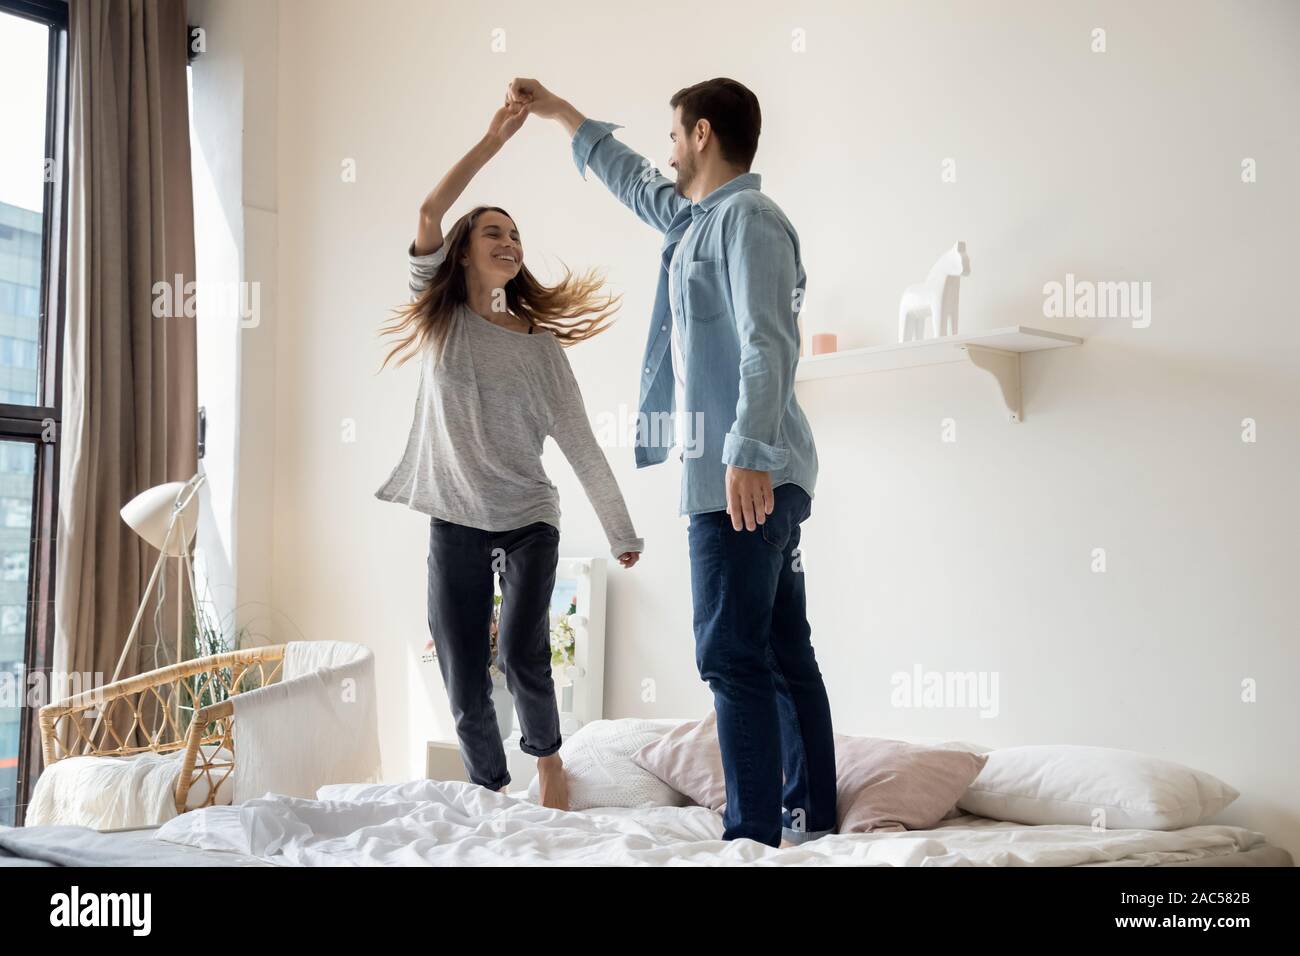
(61, 845)
(631, 812)
(452, 823)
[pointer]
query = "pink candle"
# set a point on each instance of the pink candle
(823, 342)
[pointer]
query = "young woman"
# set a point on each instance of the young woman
(494, 382)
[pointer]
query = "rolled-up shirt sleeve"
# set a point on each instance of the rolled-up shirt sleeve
(763, 275)
(424, 268)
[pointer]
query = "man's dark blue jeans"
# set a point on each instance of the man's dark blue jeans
(753, 646)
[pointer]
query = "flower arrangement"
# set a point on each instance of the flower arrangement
(493, 670)
(563, 640)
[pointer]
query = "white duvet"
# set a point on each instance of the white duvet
(447, 823)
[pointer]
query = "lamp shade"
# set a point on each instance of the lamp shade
(149, 514)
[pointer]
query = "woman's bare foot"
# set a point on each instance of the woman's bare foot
(553, 782)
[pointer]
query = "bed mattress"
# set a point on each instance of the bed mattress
(444, 823)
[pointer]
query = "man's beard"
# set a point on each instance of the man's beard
(684, 177)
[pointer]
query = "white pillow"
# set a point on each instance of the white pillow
(223, 775)
(598, 761)
(107, 793)
(1064, 784)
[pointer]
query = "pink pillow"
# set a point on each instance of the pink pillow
(892, 785)
(880, 784)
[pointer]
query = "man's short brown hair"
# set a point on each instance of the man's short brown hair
(732, 111)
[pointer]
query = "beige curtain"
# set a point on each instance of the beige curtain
(129, 385)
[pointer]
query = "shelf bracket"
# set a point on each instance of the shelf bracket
(1003, 366)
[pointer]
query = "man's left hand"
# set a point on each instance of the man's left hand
(749, 497)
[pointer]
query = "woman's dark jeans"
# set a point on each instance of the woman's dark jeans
(462, 563)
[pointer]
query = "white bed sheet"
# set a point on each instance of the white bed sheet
(449, 823)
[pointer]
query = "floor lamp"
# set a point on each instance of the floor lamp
(166, 516)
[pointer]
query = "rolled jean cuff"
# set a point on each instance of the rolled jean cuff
(802, 836)
(542, 752)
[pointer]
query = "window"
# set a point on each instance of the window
(33, 82)
(14, 566)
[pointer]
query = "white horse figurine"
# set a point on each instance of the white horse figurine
(932, 304)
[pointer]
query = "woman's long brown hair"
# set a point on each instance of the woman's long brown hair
(573, 309)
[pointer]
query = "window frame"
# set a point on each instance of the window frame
(42, 423)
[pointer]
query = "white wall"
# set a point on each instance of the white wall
(215, 119)
(974, 555)
(234, 121)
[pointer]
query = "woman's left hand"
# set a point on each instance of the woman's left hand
(507, 121)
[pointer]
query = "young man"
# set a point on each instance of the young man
(730, 284)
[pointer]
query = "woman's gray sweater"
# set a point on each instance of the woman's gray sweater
(481, 416)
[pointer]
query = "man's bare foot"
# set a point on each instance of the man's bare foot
(553, 782)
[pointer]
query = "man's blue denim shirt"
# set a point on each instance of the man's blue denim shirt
(740, 287)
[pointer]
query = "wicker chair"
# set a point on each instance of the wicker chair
(191, 708)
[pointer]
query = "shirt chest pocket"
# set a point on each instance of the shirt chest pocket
(705, 295)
